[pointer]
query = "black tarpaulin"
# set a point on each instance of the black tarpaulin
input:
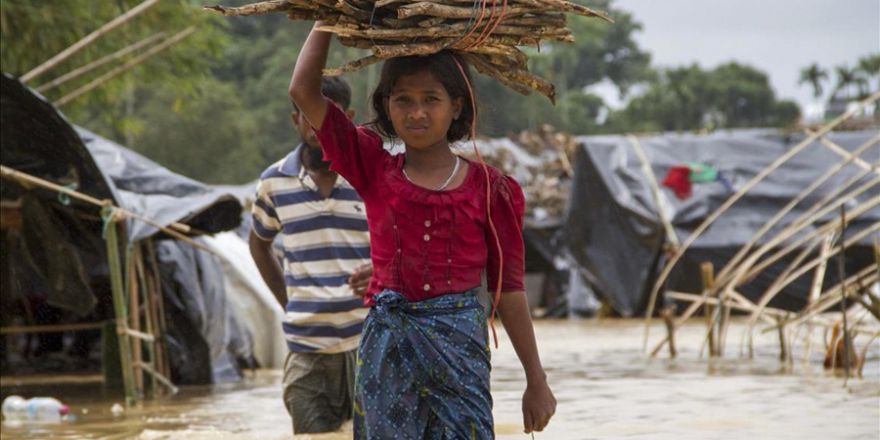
(615, 234)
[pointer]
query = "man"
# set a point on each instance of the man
(325, 273)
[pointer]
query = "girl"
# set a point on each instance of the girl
(437, 221)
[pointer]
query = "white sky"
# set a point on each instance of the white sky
(777, 36)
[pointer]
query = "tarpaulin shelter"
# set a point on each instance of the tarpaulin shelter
(53, 252)
(616, 236)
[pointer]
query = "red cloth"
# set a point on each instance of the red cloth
(426, 243)
(679, 180)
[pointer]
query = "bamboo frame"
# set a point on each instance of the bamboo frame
(134, 62)
(76, 73)
(87, 40)
(667, 270)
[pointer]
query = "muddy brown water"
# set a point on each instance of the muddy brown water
(605, 386)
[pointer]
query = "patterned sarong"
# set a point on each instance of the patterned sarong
(423, 370)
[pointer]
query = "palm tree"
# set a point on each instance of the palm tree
(815, 75)
(846, 77)
(869, 70)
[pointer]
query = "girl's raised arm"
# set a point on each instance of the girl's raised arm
(305, 84)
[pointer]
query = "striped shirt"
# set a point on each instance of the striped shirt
(324, 241)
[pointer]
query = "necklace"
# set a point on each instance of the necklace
(448, 179)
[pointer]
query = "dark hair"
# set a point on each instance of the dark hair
(443, 67)
(335, 89)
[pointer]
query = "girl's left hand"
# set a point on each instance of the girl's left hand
(538, 406)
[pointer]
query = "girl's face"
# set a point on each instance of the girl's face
(421, 110)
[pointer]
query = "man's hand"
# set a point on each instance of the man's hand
(360, 279)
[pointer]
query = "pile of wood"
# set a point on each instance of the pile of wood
(486, 34)
(545, 176)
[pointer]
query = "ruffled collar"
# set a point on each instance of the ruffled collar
(464, 193)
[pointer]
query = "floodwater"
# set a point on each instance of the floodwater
(606, 389)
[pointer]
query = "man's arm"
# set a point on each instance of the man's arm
(270, 270)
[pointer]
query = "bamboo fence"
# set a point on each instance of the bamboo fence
(486, 34)
(813, 244)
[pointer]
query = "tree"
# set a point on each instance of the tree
(868, 70)
(814, 75)
(690, 98)
(846, 78)
(33, 32)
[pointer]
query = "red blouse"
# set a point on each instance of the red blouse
(426, 243)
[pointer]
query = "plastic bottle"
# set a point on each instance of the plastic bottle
(14, 409)
(37, 409)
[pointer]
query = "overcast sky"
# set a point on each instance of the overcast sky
(777, 36)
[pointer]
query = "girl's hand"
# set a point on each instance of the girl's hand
(538, 406)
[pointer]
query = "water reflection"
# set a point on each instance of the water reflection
(605, 387)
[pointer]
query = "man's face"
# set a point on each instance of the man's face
(305, 129)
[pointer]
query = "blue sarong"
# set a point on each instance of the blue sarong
(423, 370)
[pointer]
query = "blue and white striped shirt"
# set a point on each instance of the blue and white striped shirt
(324, 241)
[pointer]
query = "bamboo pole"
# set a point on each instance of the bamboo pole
(769, 315)
(76, 73)
(707, 271)
(148, 315)
(831, 172)
(840, 151)
(667, 269)
(771, 293)
(101, 80)
(55, 328)
(172, 229)
(830, 297)
(816, 288)
(87, 40)
(655, 190)
(119, 303)
(750, 267)
(668, 313)
(164, 366)
(841, 269)
(134, 315)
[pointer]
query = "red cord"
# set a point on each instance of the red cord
(479, 22)
(483, 39)
(497, 296)
(488, 26)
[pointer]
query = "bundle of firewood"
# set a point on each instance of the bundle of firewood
(485, 33)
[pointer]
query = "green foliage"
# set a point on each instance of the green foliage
(690, 98)
(215, 106)
(814, 75)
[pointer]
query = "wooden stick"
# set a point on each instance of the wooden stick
(55, 328)
(844, 153)
(251, 9)
(841, 269)
(158, 376)
(148, 313)
(27, 180)
(134, 315)
(76, 73)
(134, 62)
(667, 269)
(121, 315)
(747, 270)
(771, 293)
(657, 195)
(87, 40)
(668, 313)
(708, 276)
(445, 11)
